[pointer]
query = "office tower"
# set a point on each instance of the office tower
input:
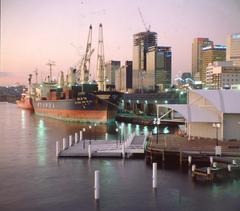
(222, 75)
(110, 68)
(233, 48)
(123, 77)
(159, 67)
(211, 54)
(141, 42)
(197, 45)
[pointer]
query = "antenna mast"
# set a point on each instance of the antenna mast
(36, 75)
(101, 74)
(50, 64)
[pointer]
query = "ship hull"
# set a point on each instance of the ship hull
(85, 109)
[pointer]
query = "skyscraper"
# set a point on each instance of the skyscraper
(123, 77)
(197, 45)
(233, 48)
(141, 42)
(110, 68)
(159, 64)
(211, 54)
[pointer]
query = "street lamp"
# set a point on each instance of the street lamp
(83, 138)
(95, 130)
(216, 125)
(90, 133)
(117, 136)
(157, 122)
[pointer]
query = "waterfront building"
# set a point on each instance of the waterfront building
(207, 109)
(222, 75)
(159, 67)
(123, 77)
(197, 45)
(211, 54)
(233, 48)
(142, 79)
(111, 67)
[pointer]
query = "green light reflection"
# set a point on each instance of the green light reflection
(41, 143)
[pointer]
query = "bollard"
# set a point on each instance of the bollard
(76, 138)
(154, 175)
(123, 151)
(214, 165)
(106, 136)
(193, 167)
(208, 170)
(57, 148)
(229, 167)
(80, 135)
(234, 162)
(70, 140)
(64, 143)
(97, 185)
(189, 160)
(211, 160)
(89, 151)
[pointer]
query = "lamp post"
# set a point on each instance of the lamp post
(216, 125)
(90, 127)
(95, 125)
(83, 138)
(117, 136)
(157, 122)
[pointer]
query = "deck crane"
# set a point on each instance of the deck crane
(101, 70)
(144, 24)
(84, 66)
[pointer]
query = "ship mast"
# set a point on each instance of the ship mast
(36, 75)
(100, 61)
(50, 64)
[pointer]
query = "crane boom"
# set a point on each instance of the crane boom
(84, 67)
(144, 24)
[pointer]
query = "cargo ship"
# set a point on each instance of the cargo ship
(75, 105)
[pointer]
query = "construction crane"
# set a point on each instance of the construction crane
(84, 66)
(144, 24)
(101, 71)
(50, 64)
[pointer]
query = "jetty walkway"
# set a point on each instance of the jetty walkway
(102, 148)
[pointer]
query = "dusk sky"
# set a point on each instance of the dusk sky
(34, 31)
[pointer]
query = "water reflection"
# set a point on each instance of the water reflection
(23, 119)
(41, 142)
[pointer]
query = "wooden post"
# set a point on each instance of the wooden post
(97, 185)
(89, 151)
(64, 143)
(76, 138)
(70, 140)
(57, 148)
(154, 175)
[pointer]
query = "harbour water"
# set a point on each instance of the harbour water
(33, 179)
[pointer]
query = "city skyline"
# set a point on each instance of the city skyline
(32, 32)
